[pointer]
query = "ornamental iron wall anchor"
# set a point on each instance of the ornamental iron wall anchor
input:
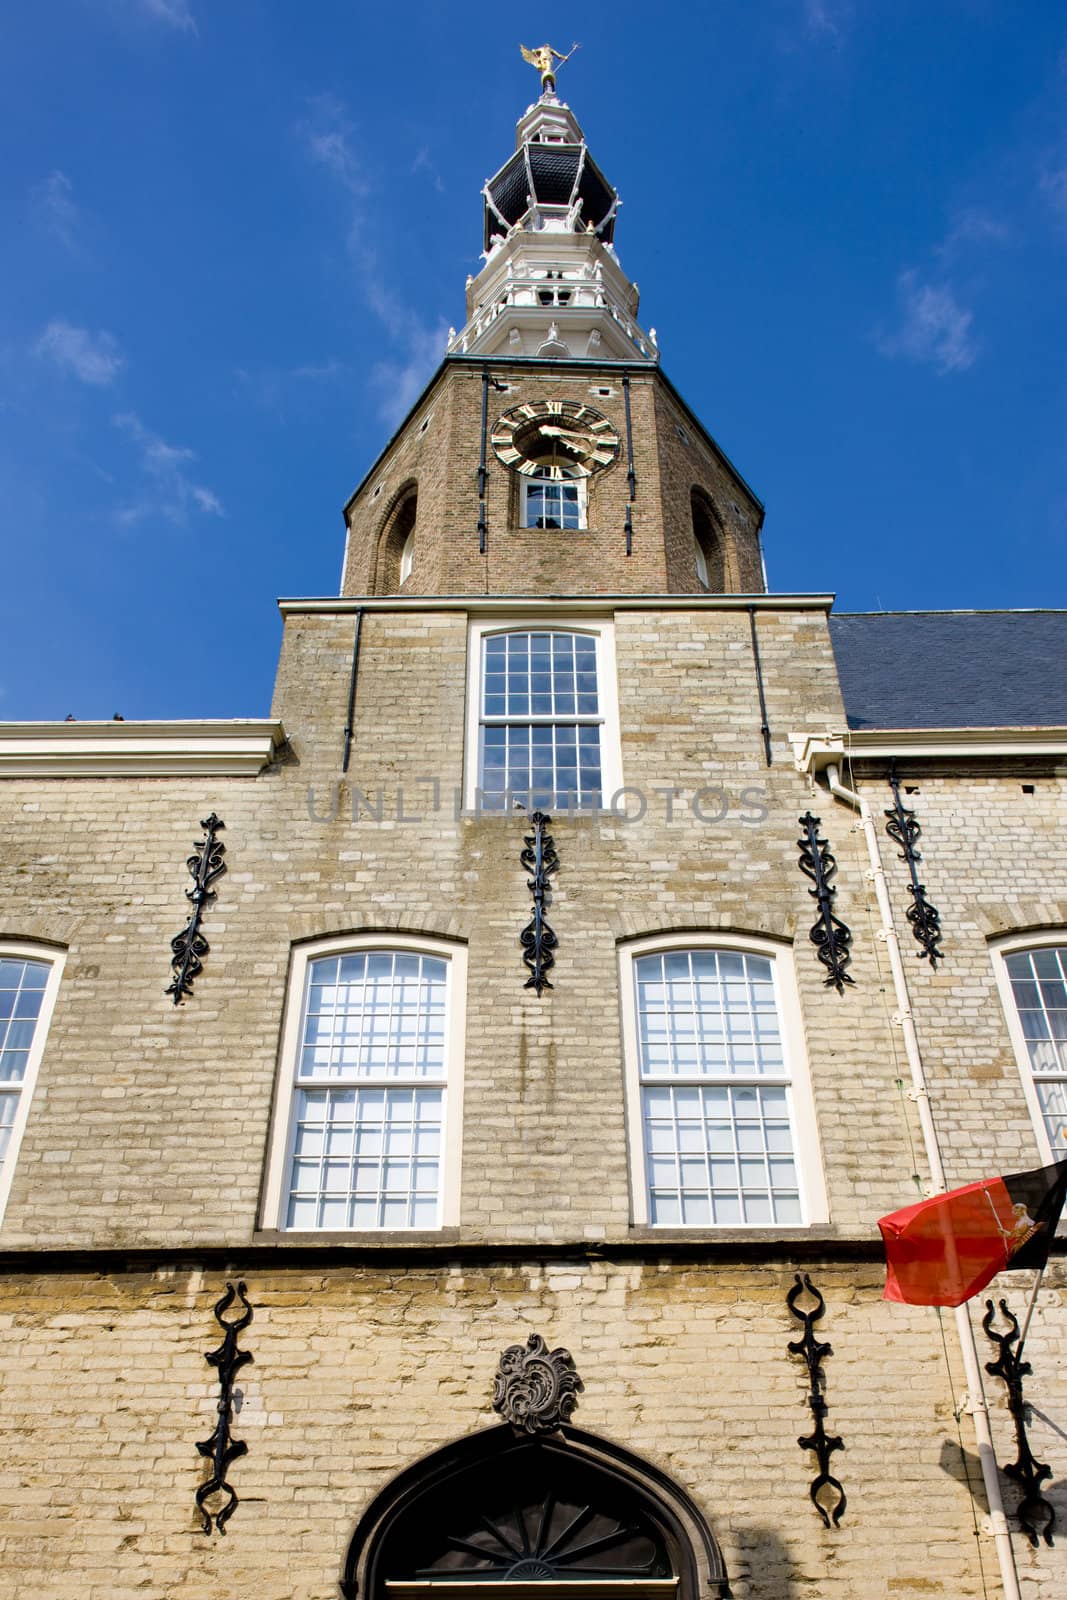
(903, 828)
(827, 1494)
(189, 947)
(222, 1448)
(831, 937)
(1036, 1515)
(537, 938)
(536, 1389)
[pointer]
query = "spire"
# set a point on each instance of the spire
(551, 283)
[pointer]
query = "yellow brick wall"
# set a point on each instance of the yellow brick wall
(358, 1372)
(149, 1129)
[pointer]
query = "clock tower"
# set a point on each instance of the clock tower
(550, 453)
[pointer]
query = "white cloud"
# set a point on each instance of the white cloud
(421, 348)
(974, 225)
(280, 390)
(94, 358)
(174, 13)
(803, 24)
(934, 328)
(318, 372)
(1054, 189)
(826, 17)
(401, 381)
(424, 162)
(327, 136)
(175, 492)
(57, 209)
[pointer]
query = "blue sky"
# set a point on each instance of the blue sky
(236, 231)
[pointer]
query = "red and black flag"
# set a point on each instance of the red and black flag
(942, 1251)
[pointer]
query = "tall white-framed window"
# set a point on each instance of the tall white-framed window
(719, 1105)
(701, 560)
(407, 557)
(543, 722)
(1032, 977)
(367, 1131)
(553, 497)
(29, 982)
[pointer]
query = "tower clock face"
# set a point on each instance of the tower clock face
(555, 433)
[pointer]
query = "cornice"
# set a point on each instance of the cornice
(270, 1251)
(635, 365)
(812, 753)
(532, 605)
(238, 748)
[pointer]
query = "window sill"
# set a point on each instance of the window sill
(363, 1238)
(517, 527)
(645, 1233)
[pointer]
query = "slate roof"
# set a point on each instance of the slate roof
(952, 669)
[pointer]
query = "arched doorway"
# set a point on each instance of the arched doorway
(567, 1508)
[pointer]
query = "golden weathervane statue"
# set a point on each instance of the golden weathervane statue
(544, 59)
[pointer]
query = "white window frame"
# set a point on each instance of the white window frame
(407, 558)
(54, 959)
(1012, 945)
(283, 1130)
(600, 629)
(580, 482)
(701, 558)
(796, 1076)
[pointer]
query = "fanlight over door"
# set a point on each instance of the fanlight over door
(567, 1511)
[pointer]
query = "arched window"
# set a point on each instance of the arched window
(29, 980)
(722, 1122)
(543, 726)
(570, 1509)
(367, 1135)
(709, 556)
(1033, 983)
(553, 497)
(396, 548)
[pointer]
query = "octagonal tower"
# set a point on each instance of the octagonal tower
(550, 453)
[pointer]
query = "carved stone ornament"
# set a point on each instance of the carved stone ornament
(536, 1388)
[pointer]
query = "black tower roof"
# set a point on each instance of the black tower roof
(549, 174)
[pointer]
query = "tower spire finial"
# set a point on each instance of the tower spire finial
(543, 57)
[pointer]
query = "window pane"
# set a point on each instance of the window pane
(22, 988)
(1039, 986)
(380, 1016)
(701, 1015)
(708, 1011)
(366, 1158)
(545, 756)
(550, 501)
(1052, 1097)
(709, 1157)
(8, 1107)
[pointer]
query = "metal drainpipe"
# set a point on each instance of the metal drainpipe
(965, 1332)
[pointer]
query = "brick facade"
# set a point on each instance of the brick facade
(141, 1172)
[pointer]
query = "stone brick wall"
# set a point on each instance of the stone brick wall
(439, 450)
(143, 1108)
(359, 1371)
(149, 1130)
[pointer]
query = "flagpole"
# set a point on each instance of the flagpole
(979, 1408)
(1030, 1309)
